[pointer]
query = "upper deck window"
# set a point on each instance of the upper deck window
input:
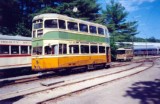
(37, 25)
(38, 20)
(72, 26)
(106, 32)
(93, 29)
(62, 24)
(83, 27)
(51, 23)
(100, 31)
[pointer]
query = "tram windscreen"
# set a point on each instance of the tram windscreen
(120, 51)
(38, 25)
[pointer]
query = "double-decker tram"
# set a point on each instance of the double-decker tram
(61, 42)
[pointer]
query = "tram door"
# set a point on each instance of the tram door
(107, 54)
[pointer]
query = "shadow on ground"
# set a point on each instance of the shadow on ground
(147, 92)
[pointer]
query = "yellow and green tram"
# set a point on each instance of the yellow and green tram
(61, 42)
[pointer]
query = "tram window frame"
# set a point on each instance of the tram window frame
(37, 25)
(120, 51)
(4, 49)
(93, 29)
(34, 34)
(101, 50)
(72, 26)
(51, 25)
(83, 27)
(94, 48)
(30, 49)
(106, 32)
(100, 31)
(62, 48)
(84, 49)
(74, 49)
(54, 49)
(47, 50)
(14, 49)
(37, 50)
(24, 49)
(62, 24)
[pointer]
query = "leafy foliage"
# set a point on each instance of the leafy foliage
(151, 39)
(16, 15)
(115, 18)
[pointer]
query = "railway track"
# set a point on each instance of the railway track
(38, 76)
(56, 89)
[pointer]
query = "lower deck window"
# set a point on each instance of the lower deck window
(37, 50)
(94, 49)
(101, 49)
(84, 49)
(24, 49)
(74, 49)
(4, 49)
(53, 49)
(62, 49)
(14, 49)
(47, 50)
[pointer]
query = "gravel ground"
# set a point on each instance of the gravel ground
(143, 88)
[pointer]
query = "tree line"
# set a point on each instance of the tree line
(16, 15)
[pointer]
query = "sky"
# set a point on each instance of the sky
(146, 12)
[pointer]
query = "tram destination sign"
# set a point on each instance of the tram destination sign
(14, 42)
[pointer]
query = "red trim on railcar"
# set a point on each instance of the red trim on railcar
(15, 55)
(15, 45)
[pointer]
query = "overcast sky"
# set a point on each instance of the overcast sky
(146, 12)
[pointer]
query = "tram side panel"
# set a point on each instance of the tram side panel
(49, 63)
(15, 62)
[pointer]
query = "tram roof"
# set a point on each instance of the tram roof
(53, 15)
(8, 37)
(124, 49)
(143, 47)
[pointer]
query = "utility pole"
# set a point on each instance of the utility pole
(146, 48)
(133, 44)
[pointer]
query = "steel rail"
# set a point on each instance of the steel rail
(63, 85)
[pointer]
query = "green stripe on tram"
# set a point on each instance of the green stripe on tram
(37, 43)
(68, 36)
(74, 36)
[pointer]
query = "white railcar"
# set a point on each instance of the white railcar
(15, 52)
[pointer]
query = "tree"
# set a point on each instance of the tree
(87, 9)
(114, 17)
(23, 11)
(151, 39)
(9, 16)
